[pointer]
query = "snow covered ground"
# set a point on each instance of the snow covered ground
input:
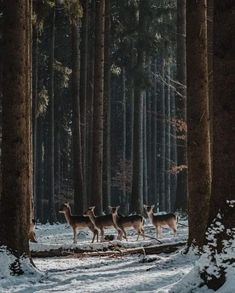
(138, 273)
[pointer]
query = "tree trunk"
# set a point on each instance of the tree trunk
(90, 99)
(51, 138)
(182, 185)
(76, 128)
(123, 151)
(220, 241)
(16, 143)
(97, 157)
(139, 92)
(199, 179)
(154, 159)
(83, 95)
(162, 135)
(168, 141)
(107, 121)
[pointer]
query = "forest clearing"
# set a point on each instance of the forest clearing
(117, 139)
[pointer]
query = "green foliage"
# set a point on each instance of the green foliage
(43, 100)
(74, 10)
(64, 73)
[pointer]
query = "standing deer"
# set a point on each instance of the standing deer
(135, 221)
(158, 221)
(101, 222)
(78, 222)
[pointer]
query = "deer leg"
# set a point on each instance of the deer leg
(101, 234)
(120, 234)
(142, 232)
(139, 232)
(74, 235)
(125, 235)
(158, 231)
(97, 235)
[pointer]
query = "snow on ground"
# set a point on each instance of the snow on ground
(138, 273)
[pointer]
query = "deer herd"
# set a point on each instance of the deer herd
(97, 224)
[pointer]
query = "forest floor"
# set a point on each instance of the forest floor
(112, 273)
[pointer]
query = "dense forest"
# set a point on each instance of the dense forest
(120, 103)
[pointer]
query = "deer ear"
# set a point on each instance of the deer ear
(92, 208)
(117, 207)
(152, 206)
(110, 208)
(144, 206)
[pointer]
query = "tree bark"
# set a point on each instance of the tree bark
(199, 180)
(168, 141)
(51, 134)
(76, 127)
(97, 154)
(83, 94)
(162, 135)
(107, 109)
(16, 145)
(222, 208)
(182, 184)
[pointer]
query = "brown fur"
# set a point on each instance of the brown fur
(133, 221)
(78, 222)
(159, 221)
(101, 222)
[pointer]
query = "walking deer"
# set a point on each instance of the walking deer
(78, 222)
(101, 222)
(135, 221)
(159, 221)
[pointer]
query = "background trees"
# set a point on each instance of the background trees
(79, 87)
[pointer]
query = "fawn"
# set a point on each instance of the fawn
(101, 222)
(135, 221)
(158, 221)
(78, 222)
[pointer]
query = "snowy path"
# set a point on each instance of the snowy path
(128, 274)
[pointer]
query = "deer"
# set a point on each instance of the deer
(76, 222)
(101, 222)
(122, 222)
(159, 221)
(31, 235)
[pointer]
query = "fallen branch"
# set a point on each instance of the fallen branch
(112, 251)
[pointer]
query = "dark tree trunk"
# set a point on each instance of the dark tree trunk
(168, 141)
(222, 208)
(51, 138)
(35, 111)
(97, 154)
(154, 159)
(107, 98)
(199, 179)
(145, 160)
(76, 127)
(16, 144)
(173, 151)
(123, 150)
(139, 92)
(39, 171)
(90, 99)
(162, 141)
(182, 185)
(210, 8)
(83, 94)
